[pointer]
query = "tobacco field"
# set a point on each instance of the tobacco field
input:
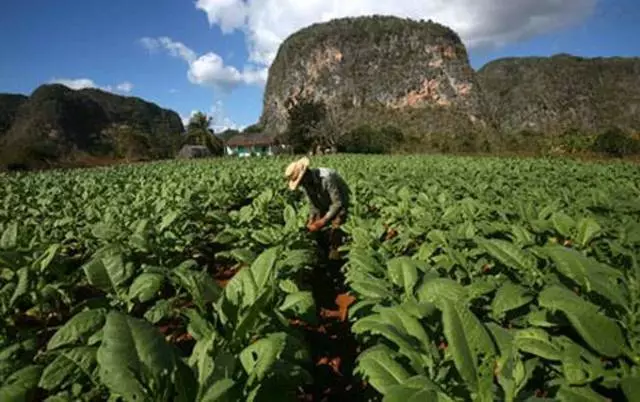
(461, 279)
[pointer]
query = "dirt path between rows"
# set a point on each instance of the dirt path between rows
(333, 346)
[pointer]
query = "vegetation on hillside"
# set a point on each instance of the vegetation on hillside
(550, 95)
(313, 127)
(57, 125)
(9, 106)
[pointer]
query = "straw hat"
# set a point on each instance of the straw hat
(295, 171)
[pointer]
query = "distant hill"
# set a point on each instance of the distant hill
(415, 75)
(379, 70)
(57, 125)
(554, 94)
(9, 105)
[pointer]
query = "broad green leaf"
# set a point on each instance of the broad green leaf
(579, 394)
(370, 287)
(200, 285)
(588, 229)
(278, 353)
(288, 286)
(198, 326)
(45, 259)
(378, 366)
(215, 367)
(243, 255)
(416, 389)
(563, 223)
(599, 331)
(136, 362)
(631, 387)
(139, 238)
(263, 266)
(250, 317)
(223, 390)
(378, 325)
(167, 220)
(23, 285)
(537, 342)
(108, 272)
(404, 273)
(9, 239)
(401, 318)
(162, 309)
(480, 287)
(365, 261)
(438, 290)
(301, 304)
(522, 236)
(459, 344)
(69, 366)
(541, 318)
(402, 393)
(146, 286)
(502, 337)
(509, 296)
(19, 351)
(78, 329)
(512, 374)
(21, 385)
(507, 253)
(588, 273)
(290, 218)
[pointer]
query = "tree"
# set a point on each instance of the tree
(125, 141)
(305, 116)
(330, 132)
(199, 132)
(615, 142)
(369, 140)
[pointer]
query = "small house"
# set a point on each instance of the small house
(248, 144)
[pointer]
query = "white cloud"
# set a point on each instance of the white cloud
(81, 83)
(208, 69)
(228, 14)
(175, 49)
(125, 87)
(221, 121)
(479, 22)
(75, 83)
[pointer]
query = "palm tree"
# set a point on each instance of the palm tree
(200, 133)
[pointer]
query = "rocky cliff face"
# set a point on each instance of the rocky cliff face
(382, 69)
(56, 121)
(552, 94)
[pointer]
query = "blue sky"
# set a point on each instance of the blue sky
(212, 55)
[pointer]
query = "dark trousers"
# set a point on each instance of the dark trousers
(330, 238)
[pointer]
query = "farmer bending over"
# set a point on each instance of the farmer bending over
(327, 192)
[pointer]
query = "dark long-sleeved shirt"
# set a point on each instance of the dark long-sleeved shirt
(327, 192)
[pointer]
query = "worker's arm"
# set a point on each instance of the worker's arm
(336, 200)
(314, 212)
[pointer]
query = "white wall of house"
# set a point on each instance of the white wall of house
(248, 151)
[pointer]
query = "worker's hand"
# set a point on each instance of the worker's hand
(316, 225)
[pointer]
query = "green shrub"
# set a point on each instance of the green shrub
(369, 140)
(615, 142)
